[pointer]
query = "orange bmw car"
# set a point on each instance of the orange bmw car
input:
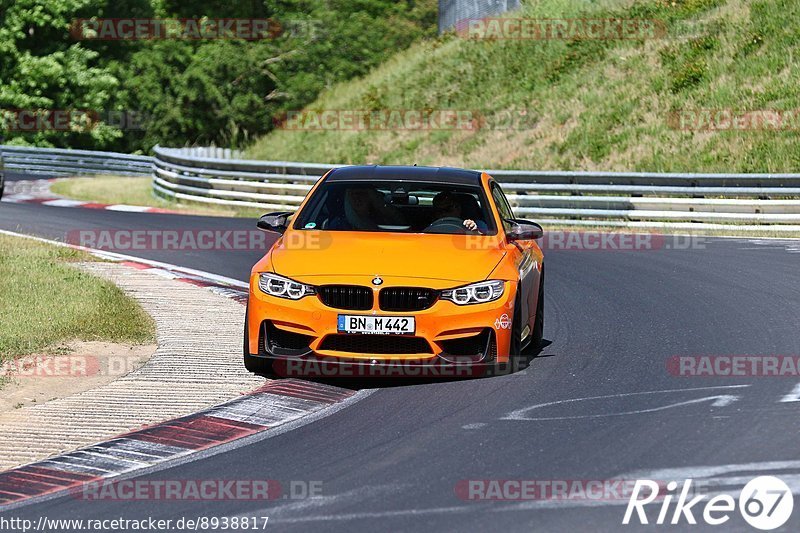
(406, 267)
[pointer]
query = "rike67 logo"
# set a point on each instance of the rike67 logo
(765, 503)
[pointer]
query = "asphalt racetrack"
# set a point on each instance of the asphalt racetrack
(602, 401)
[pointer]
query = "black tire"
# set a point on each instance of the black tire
(538, 325)
(517, 357)
(256, 365)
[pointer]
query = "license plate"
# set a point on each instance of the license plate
(391, 325)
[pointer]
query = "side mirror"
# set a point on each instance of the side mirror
(274, 222)
(524, 230)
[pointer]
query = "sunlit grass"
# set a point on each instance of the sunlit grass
(44, 301)
(138, 191)
(591, 105)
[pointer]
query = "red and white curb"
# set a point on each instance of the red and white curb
(222, 286)
(274, 404)
(38, 192)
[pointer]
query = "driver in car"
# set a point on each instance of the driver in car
(364, 209)
(446, 205)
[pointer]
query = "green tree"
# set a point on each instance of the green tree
(224, 92)
(42, 69)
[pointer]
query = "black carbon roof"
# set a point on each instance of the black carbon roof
(405, 173)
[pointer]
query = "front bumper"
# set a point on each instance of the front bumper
(442, 326)
(315, 366)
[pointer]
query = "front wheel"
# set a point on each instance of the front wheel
(256, 365)
(517, 356)
(538, 325)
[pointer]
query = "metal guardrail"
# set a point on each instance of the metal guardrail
(63, 162)
(627, 199)
(622, 199)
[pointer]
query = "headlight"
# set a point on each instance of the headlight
(276, 285)
(476, 293)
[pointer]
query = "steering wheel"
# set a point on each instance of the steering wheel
(447, 225)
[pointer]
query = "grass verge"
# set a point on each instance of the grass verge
(137, 191)
(581, 104)
(44, 301)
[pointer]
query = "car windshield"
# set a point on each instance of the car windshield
(397, 206)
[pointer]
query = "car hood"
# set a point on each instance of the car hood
(459, 258)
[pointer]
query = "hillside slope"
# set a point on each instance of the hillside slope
(583, 104)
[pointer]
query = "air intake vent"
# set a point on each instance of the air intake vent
(378, 344)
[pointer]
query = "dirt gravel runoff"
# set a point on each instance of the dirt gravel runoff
(197, 365)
